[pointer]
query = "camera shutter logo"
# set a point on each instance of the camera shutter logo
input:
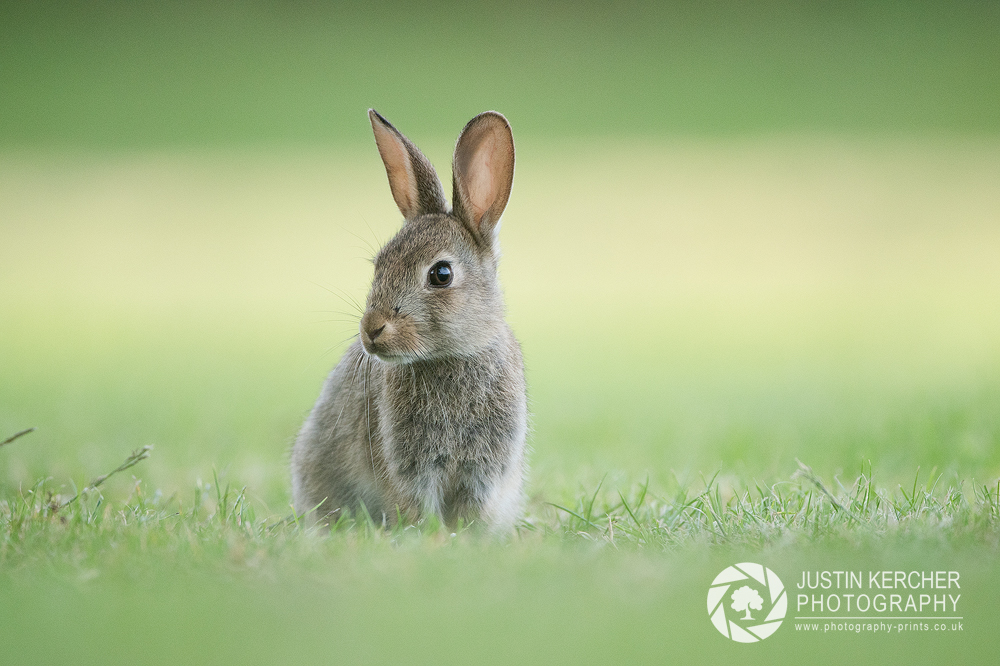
(747, 602)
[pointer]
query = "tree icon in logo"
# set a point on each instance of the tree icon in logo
(746, 598)
(749, 586)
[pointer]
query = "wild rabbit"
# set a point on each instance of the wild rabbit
(426, 412)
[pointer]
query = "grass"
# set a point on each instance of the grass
(748, 304)
(238, 586)
(803, 509)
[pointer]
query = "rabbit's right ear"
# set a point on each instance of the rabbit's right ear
(412, 179)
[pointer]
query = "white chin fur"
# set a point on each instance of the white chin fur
(394, 359)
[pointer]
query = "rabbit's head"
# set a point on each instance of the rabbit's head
(435, 292)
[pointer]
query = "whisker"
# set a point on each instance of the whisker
(325, 352)
(368, 422)
(345, 297)
(340, 312)
(378, 242)
(368, 245)
(335, 346)
(350, 388)
(350, 337)
(353, 300)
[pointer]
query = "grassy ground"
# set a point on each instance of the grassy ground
(621, 579)
(719, 311)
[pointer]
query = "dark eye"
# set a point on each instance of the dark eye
(440, 274)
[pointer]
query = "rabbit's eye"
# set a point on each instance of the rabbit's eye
(440, 274)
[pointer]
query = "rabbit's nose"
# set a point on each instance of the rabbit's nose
(375, 333)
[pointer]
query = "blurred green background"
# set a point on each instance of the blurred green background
(124, 75)
(739, 234)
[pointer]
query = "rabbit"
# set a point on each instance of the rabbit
(426, 413)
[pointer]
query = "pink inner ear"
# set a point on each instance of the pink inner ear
(482, 183)
(397, 166)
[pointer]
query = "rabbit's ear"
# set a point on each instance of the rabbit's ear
(412, 179)
(483, 172)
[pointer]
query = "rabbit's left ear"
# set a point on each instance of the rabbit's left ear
(483, 172)
(414, 184)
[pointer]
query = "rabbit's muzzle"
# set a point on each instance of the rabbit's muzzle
(373, 325)
(388, 337)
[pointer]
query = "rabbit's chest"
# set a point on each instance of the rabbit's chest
(429, 436)
(447, 434)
